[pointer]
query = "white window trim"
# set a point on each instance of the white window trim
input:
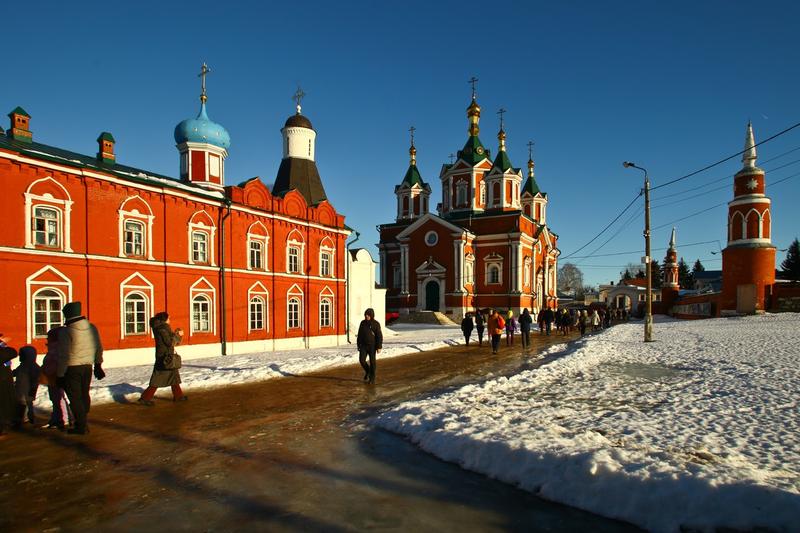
(146, 313)
(301, 252)
(211, 293)
(295, 292)
(469, 269)
(264, 240)
(131, 284)
(33, 310)
(34, 200)
(327, 247)
(210, 230)
(327, 294)
(257, 289)
(526, 280)
(145, 218)
(32, 287)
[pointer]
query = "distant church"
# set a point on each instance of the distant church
(489, 245)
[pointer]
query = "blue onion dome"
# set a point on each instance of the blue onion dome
(202, 130)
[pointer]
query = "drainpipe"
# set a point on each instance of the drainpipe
(223, 303)
(347, 285)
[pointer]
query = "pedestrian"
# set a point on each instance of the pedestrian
(549, 317)
(595, 320)
(496, 326)
(540, 322)
(525, 322)
(511, 326)
(584, 321)
(61, 414)
(467, 327)
(4, 340)
(369, 342)
(26, 383)
(479, 325)
(8, 400)
(164, 373)
(79, 348)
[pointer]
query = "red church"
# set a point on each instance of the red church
(489, 244)
(239, 267)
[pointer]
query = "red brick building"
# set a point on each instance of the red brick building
(239, 267)
(488, 246)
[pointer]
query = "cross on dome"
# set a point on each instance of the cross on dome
(473, 80)
(204, 70)
(298, 98)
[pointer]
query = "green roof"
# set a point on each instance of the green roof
(473, 151)
(413, 177)
(530, 186)
(105, 136)
(19, 111)
(502, 161)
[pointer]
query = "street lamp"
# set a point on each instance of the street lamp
(648, 317)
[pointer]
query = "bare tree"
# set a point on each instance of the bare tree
(570, 278)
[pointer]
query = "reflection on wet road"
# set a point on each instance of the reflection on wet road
(287, 454)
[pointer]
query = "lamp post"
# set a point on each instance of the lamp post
(648, 317)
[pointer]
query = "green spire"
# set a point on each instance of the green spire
(19, 111)
(413, 176)
(530, 184)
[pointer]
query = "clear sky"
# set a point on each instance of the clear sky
(668, 85)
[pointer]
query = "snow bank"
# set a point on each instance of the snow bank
(700, 429)
(126, 384)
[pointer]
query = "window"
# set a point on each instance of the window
(201, 314)
(257, 306)
(294, 259)
(200, 247)
(293, 314)
(493, 274)
(431, 238)
(396, 276)
(134, 238)
(461, 194)
(46, 228)
(47, 304)
(325, 306)
(256, 255)
(135, 314)
(325, 264)
(483, 193)
(495, 193)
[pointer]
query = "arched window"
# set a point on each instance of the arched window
(493, 274)
(201, 314)
(496, 193)
(405, 206)
(46, 227)
(133, 238)
(135, 314)
(293, 313)
(47, 304)
(461, 194)
(325, 312)
(257, 308)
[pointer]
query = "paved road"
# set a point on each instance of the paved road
(287, 454)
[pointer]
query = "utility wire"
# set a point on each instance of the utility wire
(712, 165)
(642, 251)
(605, 228)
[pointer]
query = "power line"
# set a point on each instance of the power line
(642, 251)
(605, 228)
(712, 165)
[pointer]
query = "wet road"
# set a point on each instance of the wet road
(286, 454)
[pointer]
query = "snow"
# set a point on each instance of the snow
(126, 384)
(700, 429)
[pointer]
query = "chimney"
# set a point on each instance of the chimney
(105, 153)
(20, 124)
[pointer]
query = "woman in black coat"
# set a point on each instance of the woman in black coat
(166, 340)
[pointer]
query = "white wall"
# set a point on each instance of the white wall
(363, 293)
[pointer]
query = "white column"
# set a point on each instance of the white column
(404, 268)
(518, 265)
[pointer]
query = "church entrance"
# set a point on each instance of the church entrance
(432, 296)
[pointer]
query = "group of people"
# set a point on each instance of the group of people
(75, 355)
(496, 324)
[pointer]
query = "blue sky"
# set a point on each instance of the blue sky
(669, 86)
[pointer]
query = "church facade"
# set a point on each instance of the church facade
(488, 245)
(241, 268)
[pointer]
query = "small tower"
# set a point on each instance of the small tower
(412, 193)
(503, 180)
(748, 262)
(20, 125)
(533, 200)
(670, 285)
(203, 145)
(298, 168)
(105, 148)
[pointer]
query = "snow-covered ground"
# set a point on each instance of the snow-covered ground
(699, 429)
(127, 383)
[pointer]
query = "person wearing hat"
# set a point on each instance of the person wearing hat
(79, 348)
(26, 384)
(8, 399)
(369, 341)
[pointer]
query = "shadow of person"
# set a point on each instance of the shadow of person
(120, 390)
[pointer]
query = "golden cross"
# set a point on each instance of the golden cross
(203, 71)
(473, 80)
(412, 129)
(501, 112)
(530, 149)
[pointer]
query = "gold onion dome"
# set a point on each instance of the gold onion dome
(474, 115)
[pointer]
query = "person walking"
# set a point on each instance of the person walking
(79, 348)
(583, 321)
(525, 322)
(511, 326)
(467, 327)
(8, 400)
(595, 320)
(26, 384)
(496, 326)
(369, 342)
(479, 325)
(48, 377)
(548, 318)
(166, 341)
